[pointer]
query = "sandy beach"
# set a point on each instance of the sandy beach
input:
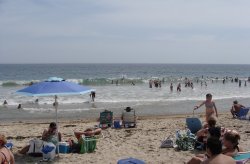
(142, 142)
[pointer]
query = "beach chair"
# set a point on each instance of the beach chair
(242, 114)
(129, 119)
(130, 161)
(242, 158)
(194, 124)
(87, 144)
(106, 119)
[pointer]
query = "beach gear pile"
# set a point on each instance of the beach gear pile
(185, 140)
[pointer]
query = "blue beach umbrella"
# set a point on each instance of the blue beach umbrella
(54, 87)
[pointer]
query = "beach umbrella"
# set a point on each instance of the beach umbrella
(54, 86)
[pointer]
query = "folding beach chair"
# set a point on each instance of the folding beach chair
(88, 144)
(242, 114)
(106, 119)
(129, 118)
(242, 158)
(193, 124)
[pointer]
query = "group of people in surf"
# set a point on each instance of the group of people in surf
(156, 83)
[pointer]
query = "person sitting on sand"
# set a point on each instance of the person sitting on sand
(49, 135)
(6, 156)
(210, 131)
(236, 108)
(213, 154)
(210, 107)
(128, 116)
(88, 132)
(230, 142)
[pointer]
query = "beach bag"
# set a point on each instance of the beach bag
(36, 146)
(49, 151)
(185, 140)
(167, 143)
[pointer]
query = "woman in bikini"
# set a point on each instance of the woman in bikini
(6, 156)
(210, 107)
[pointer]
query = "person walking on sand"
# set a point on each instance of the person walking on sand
(210, 107)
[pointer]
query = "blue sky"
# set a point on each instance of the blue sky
(125, 31)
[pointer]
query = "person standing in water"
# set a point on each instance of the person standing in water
(5, 103)
(210, 107)
(19, 106)
(92, 95)
(171, 87)
(179, 87)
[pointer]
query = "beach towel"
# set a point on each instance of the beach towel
(242, 158)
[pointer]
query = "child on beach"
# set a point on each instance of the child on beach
(210, 107)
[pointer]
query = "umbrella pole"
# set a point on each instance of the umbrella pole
(56, 107)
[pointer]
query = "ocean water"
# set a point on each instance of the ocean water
(103, 78)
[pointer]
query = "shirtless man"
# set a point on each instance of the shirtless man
(236, 108)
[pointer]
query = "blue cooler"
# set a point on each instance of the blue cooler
(117, 124)
(63, 147)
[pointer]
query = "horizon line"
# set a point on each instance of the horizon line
(132, 63)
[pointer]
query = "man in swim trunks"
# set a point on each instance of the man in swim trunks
(236, 108)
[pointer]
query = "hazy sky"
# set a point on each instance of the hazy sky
(125, 31)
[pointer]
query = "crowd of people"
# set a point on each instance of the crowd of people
(221, 144)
